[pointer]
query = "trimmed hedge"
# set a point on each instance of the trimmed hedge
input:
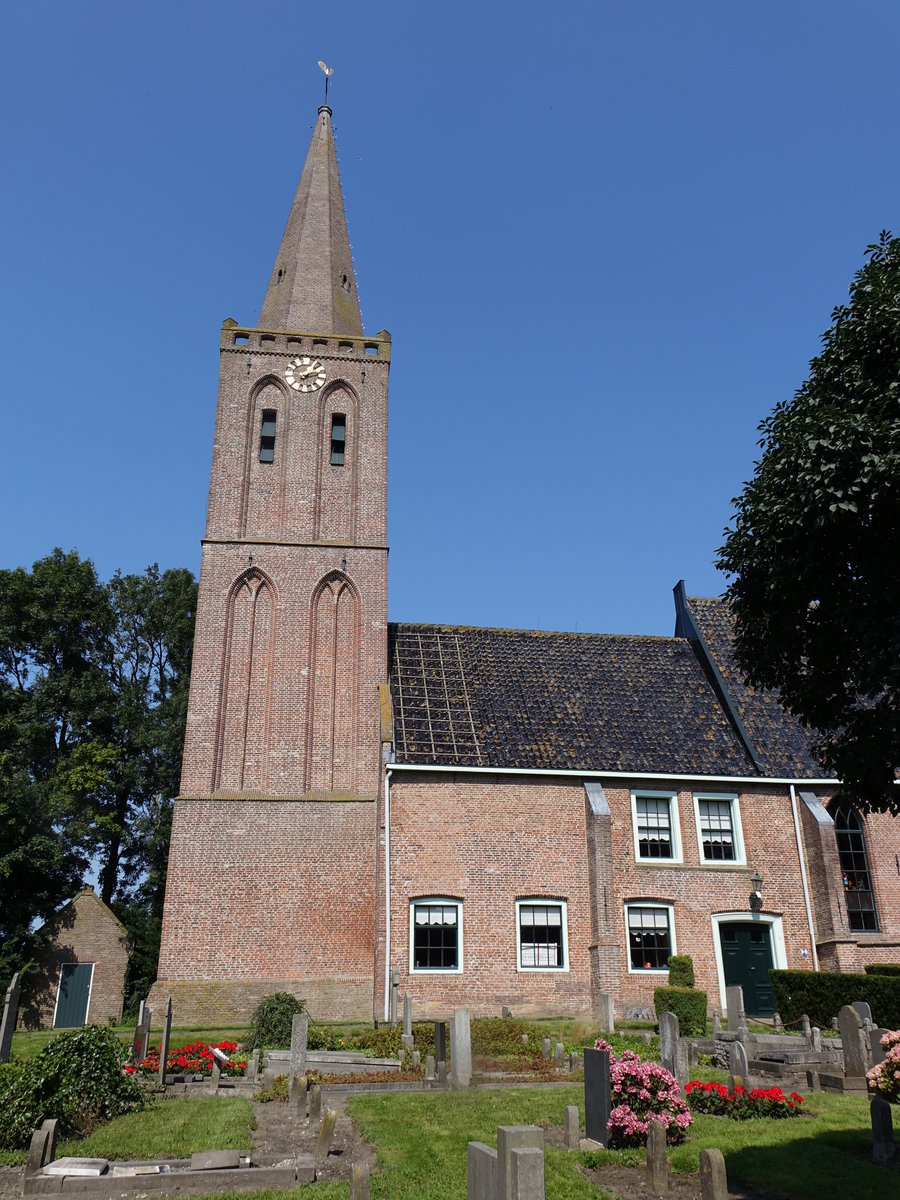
(822, 995)
(882, 968)
(688, 1005)
(681, 971)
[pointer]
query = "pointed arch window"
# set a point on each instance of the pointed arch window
(862, 915)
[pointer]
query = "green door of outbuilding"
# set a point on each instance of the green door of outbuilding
(74, 991)
(747, 959)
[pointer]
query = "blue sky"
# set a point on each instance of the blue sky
(605, 242)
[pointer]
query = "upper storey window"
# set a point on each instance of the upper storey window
(655, 817)
(267, 436)
(338, 439)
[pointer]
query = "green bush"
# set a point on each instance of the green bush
(78, 1078)
(882, 968)
(384, 1042)
(688, 1005)
(270, 1025)
(681, 971)
(822, 995)
(501, 1037)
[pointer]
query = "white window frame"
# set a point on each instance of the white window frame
(654, 972)
(737, 831)
(674, 825)
(448, 902)
(548, 902)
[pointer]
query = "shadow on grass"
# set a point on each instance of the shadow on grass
(837, 1162)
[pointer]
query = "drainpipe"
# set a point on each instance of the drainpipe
(809, 916)
(387, 893)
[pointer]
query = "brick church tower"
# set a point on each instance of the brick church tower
(271, 882)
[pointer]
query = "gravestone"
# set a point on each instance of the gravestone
(852, 1041)
(777, 1023)
(253, 1066)
(440, 1041)
(505, 1012)
(407, 1042)
(864, 1010)
(657, 1162)
(460, 1049)
(682, 1071)
(734, 1008)
(815, 1039)
(295, 1098)
(164, 1044)
(315, 1104)
(326, 1133)
(215, 1075)
(606, 1013)
(884, 1148)
(668, 1036)
(407, 1015)
(574, 1059)
(429, 1066)
(527, 1173)
(559, 1054)
(299, 1039)
(716, 1024)
(713, 1180)
(806, 1026)
(812, 1080)
(442, 1074)
(10, 1016)
(510, 1138)
(739, 1064)
(572, 1127)
(545, 1049)
(596, 1095)
(415, 1060)
(138, 1051)
(359, 1182)
(481, 1174)
(43, 1147)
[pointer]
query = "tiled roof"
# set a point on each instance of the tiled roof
(566, 701)
(782, 745)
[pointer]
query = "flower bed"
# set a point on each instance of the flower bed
(743, 1103)
(643, 1090)
(885, 1078)
(193, 1059)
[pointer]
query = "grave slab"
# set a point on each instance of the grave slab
(527, 1173)
(509, 1138)
(481, 1172)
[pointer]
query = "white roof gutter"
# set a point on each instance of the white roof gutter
(575, 774)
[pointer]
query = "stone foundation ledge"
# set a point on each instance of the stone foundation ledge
(109, 1180)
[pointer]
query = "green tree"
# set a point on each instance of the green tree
(814, 548)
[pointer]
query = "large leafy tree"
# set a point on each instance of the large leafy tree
(814, 548)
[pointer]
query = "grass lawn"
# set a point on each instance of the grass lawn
(171, 1129)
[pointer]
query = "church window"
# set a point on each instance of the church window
(338, 439)
(854, 860)
(655, 821)
(267, 436)
(719, 828)
(435, 942)
(651, 938)
(541, 935)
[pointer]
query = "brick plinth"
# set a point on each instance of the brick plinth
(206, 1003)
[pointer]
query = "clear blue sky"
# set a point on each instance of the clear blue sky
(605, 239)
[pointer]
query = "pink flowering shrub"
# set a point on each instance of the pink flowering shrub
(641, 1090)
(885, 1078)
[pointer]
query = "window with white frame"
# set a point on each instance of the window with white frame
(542, 935)
(651, 936)
(655, 818)
(435, 935)
(719, 828)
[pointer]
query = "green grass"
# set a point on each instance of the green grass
(171, 1129)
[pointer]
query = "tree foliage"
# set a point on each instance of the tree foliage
(93, 699)
(814, 549)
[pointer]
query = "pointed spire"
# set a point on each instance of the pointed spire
(313, 288)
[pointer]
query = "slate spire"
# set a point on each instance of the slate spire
(313, 288)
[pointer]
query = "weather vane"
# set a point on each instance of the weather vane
(328, 72)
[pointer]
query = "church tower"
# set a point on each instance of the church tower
(271, 881)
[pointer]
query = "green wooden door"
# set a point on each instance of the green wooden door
(747, 959)
(74, 990)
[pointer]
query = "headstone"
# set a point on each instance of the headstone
(460, 1049)
(407, 1041)
(481, 1177)
(776, 1023)
(657, 1162)
(429, 1066)
(815, 1038)
(43, 1147)
(682, 1071)
(138, 1039)
(834, 1024)
(523, 1038)
(164, 1044)
(606, 1013)
(735, 1082)
(505, 1012)
(10, 1015)
(734, 1007)
(812, 1080)
(559, 1054)
(295, 1099)
(253, 1066)
(442, 1074)
(716, 1024)
(806, 1026)
(668, 1036)
(884, 1148)
(215, 1075)
(416, 1060)
(216, 1160)
(299, 1038)
(863, 1008)
(407, 1014)
(713, 1180)
(878, 1051)
(596, 1095)
(147, 1018)
(850, 1024)
(326, 1133)
(527, 1173)
(545, 1049)
(509, 1138)
(440, 1041)
(395, 988)
(739, 1064)
(693, 1054)
(315, 1104)
(574, 1060)
(359, 1182)
(572, 1127)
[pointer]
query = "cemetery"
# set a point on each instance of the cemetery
(486, 1109)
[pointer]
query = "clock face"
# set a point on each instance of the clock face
(305, 374)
